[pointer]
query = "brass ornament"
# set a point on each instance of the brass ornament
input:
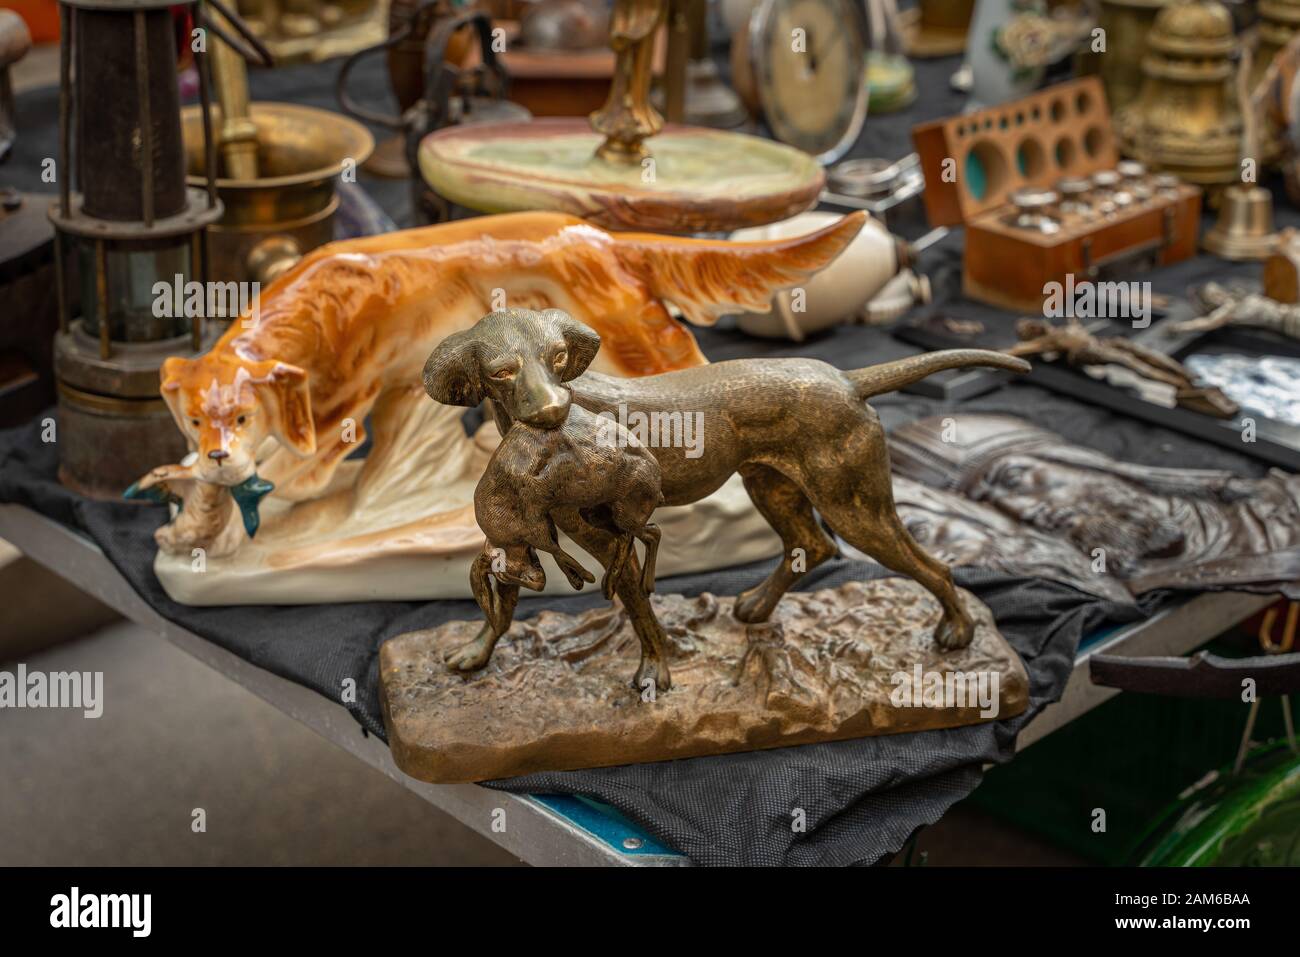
(1127, 23)
(628, 118)
(1186, 120)
(935, 28)
(277, 167)
(829, 455)
(311, 31)
(1244, 229)
(286, 207)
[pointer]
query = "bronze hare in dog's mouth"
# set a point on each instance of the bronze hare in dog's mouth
(586, 471)
(799, 432)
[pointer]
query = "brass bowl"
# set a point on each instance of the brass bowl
(288, 210)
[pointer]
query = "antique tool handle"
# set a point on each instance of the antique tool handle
(1203, 675)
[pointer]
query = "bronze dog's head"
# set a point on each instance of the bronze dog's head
(516, 357)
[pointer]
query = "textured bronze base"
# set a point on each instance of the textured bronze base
(556, 694)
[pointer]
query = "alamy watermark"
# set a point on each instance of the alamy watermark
(654, 430)
(55, 689)
(130, 911)
(919, 688)
(192, 299)
(1086, 299)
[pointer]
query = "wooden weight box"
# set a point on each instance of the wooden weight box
(1042, 193)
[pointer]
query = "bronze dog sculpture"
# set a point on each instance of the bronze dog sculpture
(589, 470)
(799, 431)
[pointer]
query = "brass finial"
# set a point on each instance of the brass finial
(628, 119)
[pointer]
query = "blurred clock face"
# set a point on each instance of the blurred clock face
(810, 72)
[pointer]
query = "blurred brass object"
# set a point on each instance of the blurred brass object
(1279, 23)
(935, 28)
(236, 135)
(288, 210)
(1282, 269)
(1187, 120)
(694, 91)
(315, 30)
(1244, 229)
(628, 119)
(272, 257)
(1279, 20)
(564, 25)
(1127, 23)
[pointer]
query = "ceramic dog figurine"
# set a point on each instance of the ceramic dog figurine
(344, 331)
(799, 431)
(586, 470)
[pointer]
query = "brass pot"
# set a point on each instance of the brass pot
(288, 210)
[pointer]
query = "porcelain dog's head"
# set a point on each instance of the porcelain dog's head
(227, 406)
(516, 357)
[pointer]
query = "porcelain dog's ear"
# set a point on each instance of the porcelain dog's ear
(286, 397)
(581, 341)
(173, 372)
(451, 374)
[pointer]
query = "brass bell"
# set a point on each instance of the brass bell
(1244, 229)
(1186, 120)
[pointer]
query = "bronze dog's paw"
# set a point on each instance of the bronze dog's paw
(952, 636)
(652, 676)
(471, 656)
(753, 606)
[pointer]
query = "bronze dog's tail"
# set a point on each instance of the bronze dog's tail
(707, 278)
(888, 376)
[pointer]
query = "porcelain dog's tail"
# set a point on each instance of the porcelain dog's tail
(888, 376)
(707, 278)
